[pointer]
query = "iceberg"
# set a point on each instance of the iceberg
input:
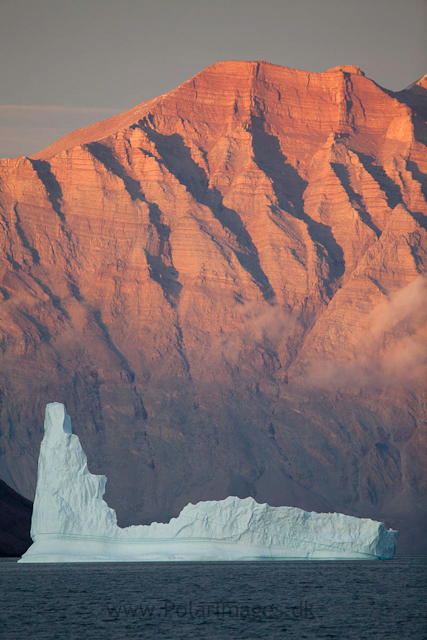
(72, 523)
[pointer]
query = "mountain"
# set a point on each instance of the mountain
(226, 286)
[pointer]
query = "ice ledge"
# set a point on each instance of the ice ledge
(72, 523)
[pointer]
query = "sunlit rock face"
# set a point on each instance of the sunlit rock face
(72, 523)
(226, 287)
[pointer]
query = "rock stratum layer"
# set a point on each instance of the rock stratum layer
(226, 286)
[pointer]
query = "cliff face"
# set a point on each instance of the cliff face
(225, 285)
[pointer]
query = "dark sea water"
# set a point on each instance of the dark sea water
(253, 600)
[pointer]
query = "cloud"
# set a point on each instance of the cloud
(265, 324)
(15, 109)
(408, 304)
(257, 327)
(395, 349)
(406, 360)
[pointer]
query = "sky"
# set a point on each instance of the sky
(65, 64)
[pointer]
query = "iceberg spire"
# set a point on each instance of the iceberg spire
(68, 497)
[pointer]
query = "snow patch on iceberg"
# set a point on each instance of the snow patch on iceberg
(72, 523)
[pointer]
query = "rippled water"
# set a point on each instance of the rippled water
(214, 600)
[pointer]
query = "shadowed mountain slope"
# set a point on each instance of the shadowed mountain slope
(15, 522)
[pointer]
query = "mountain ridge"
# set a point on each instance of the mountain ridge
(136, 110)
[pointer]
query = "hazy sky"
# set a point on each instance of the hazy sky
(67, 63)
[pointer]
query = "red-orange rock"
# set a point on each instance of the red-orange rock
(215, 283)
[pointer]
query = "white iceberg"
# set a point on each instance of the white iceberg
(72, 523)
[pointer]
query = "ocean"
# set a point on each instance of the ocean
(227, 600)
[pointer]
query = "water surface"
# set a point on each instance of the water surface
(340, 599)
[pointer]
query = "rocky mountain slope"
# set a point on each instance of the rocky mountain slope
(226, 286)
(15, 522)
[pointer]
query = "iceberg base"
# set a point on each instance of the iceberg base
(83, 550)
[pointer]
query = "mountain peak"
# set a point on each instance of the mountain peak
(419, 86)
(348, 68)
(229, 91)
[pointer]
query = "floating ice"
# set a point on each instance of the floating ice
(72, 523)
